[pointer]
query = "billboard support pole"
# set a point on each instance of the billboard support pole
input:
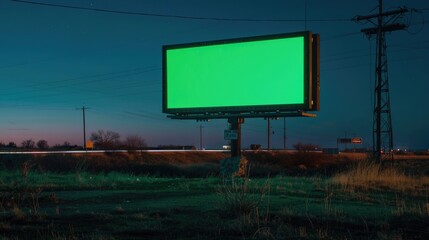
(236, 143)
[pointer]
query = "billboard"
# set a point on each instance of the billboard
(262, 74)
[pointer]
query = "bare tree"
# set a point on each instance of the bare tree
(135, 142)
(105, 140)
(11, 145)
(28, 144)
(42, 144)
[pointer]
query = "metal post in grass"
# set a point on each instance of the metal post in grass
(235, 123)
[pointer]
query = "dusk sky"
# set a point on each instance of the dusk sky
(54, 60)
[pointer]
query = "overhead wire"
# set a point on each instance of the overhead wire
(144, 115)
(46, 91)
(69, 82)
(178, 16)
(72, 81)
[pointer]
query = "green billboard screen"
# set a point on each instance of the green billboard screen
(265, 73)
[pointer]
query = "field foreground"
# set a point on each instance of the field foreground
(36, 203)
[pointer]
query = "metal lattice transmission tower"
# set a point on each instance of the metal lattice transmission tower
(382, 133)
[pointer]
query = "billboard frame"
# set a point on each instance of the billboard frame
(309, 103)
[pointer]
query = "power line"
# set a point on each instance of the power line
(69, 83)
(179, 16)
(146, 115)
(335, 37)
(49, 85)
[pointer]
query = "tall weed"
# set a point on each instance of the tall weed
(249, 204)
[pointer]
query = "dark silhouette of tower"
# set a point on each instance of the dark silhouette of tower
(382, 133)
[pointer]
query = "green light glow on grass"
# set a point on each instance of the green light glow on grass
(255, 73)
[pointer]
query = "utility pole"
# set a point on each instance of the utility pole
(382, 136)
(284, 133)
(268, 133)
(84, 126)
(345, 137)
(201, 137)
(201, 132)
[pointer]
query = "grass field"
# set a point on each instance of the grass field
(291, 196)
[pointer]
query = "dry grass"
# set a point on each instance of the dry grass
(427, 208)
(18, 214)
(403, 156)
(240, 198)
(367, 175)
(202, 163)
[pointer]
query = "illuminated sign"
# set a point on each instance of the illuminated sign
(355, 140)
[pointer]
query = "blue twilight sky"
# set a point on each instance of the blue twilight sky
(54, 60)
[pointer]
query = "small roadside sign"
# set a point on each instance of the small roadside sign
(230, 134)
(355, 140)
(89, 144)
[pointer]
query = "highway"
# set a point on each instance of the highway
(104, 151)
